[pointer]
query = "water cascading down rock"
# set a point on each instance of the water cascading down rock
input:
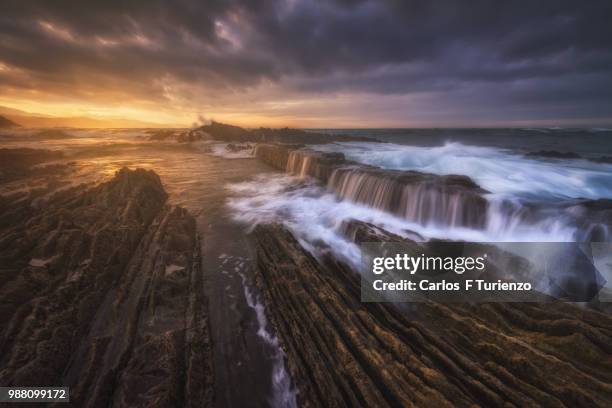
(344, 352)
(451, 200)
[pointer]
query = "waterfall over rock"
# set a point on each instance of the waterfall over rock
(442, 200)
(423, 198)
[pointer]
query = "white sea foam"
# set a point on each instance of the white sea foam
(500, 171)
(283, 396)
(170, 269)
(223, 150)
(316, 215)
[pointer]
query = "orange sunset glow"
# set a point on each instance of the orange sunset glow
(301, 64)
(306, 203)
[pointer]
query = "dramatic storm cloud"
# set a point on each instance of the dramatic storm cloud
(314, 63)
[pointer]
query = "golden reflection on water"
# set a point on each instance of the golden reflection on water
(191, 176)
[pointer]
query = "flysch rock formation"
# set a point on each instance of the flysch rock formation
(422, 197)
(101, 290)
(342, 352)
(453, 200)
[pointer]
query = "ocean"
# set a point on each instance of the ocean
(521, 198)
(591, 142)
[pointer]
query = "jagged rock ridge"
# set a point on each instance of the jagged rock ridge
(454, 200)
(101, 290)
(422, 197)
(342, 352)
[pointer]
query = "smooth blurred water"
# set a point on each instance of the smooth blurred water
(249, 367)
(500, 171)
(204, 177)
(589, 142)
(494, 158)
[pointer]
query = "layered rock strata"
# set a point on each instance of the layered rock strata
(101, 290)
(342, 352)
(446, 200)
(421, 197)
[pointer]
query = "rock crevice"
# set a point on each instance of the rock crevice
(342, 352)
(102, 291)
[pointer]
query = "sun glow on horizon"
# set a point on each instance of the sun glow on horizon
(276, 114)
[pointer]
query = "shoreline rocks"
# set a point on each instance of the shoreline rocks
(115, 311)
(422, 197)
(343, 352)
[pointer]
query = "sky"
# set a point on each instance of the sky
(308, 63)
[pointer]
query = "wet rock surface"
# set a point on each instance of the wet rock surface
(275, 155)
(421, 197)
(238, 147)
(177, 135)
(342, 352)
(101, 291)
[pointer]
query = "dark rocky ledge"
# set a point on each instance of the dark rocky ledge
(320, 165)
(422, 197)
(342, 352)
(101, 291)
(229, 133)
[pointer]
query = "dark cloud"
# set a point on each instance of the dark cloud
(513, 52)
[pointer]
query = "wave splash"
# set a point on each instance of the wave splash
(501, 171)
(316, 216)
(283, 396)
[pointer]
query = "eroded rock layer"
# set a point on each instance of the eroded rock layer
(101, 290)
(444, 200)
(342, 352)
(421, 197)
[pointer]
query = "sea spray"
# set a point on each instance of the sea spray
(283, 396)
(500, 171)
(316, 216)
(413, 196)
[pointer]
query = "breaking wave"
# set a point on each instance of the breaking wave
(500, 171)
(316, 216)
